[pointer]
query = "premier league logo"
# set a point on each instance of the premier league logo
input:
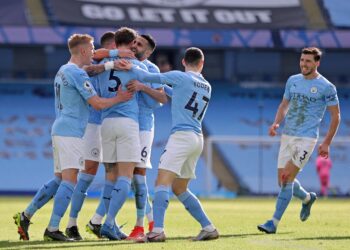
(87, 86)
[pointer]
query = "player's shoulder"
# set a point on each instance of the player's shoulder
(151, 66)
(73, 70)
(324, 81)
(296, 77)
(138, 63)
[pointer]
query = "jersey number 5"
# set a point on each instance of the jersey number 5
(117, 81)
(192, 105)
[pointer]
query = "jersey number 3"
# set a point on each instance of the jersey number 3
(192, 105)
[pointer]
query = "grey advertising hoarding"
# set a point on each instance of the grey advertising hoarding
(267, 14)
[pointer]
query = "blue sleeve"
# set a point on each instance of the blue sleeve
(83, 84)
(168, 90)
(154, 69)
(286, 94)
(171, 78)
(144, 76)
(331, 96)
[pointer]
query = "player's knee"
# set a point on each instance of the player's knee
(140, 171)
(91, 167)
(178, 190)
(90, 170)
(286, 177)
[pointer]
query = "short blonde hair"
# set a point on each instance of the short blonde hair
(78, 39)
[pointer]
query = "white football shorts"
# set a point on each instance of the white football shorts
(181, 154)
(68, 152)
(120, 140)
(93, 143)
(297, 149)
(146, 140)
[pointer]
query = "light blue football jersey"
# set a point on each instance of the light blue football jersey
(308, 100)
(72, 89)
(146, 103)
(95, 115)
(108, 83)
(190, 97)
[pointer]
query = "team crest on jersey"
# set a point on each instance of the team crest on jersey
(313, 90)
(87, 86)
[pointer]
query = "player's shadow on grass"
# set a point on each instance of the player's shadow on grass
(325, 238)
(38, 244)
(56, 244)
(221, 236)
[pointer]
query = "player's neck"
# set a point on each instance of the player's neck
(193, 69)
(311, 76)
(122, 47)
(77, 61)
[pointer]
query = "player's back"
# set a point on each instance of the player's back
(191, 95)
(95, 115)
(146, 103)
(72, 88)
(109, 82)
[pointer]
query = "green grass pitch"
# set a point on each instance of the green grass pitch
(327, 228)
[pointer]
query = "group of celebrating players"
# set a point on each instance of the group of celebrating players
(107, 118)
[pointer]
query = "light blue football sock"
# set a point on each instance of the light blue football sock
(193, 206)
(140, 195)
(101, 208)
(105, 198)
(149, 212)
(299, 191)
(283, 200)
(148, 206)
(119, 195)
(61, 202)
(160, 204)
(44, 194)
(79, 194)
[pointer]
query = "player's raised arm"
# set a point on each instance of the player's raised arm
(144, 76)
(95, 69)
(103, 53)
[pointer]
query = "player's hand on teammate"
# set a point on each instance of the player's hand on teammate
(124, 95)
(323, 150)
(103, 53)
(134, 86)
(122, 64)
(99, 54)
(273, 128)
